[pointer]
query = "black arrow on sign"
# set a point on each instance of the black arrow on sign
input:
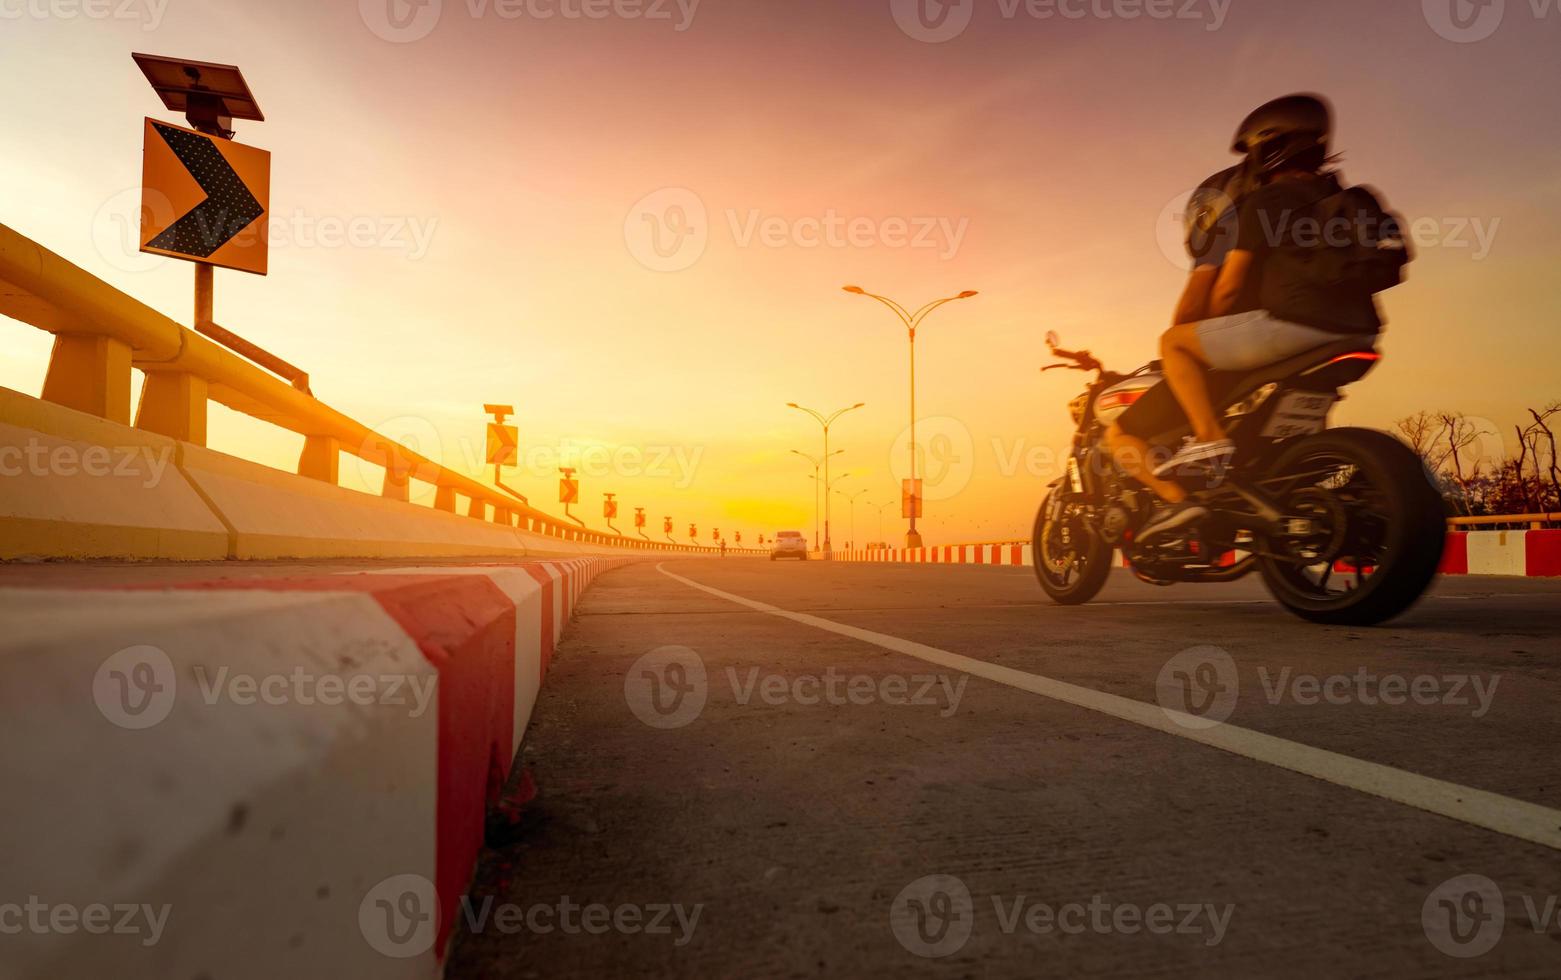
(229, 207)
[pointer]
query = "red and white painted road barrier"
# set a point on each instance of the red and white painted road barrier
(1007, 553)
(1535, 553)
(281, 776)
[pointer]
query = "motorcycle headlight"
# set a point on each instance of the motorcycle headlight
(1076, 407)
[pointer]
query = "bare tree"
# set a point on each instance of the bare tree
(1419, 431)
(1459, 434)
(1541, 426)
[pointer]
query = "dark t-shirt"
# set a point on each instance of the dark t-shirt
(1281, 224)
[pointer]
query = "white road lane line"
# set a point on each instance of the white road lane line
(1492, 811)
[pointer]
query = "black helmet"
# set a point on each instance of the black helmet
(1282, 130)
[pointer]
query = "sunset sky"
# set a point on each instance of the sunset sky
(635, 229)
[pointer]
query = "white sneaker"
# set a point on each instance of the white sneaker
(1207, 455)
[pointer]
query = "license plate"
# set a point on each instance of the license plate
(1299, 413)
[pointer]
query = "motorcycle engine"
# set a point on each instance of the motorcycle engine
(1113, 524)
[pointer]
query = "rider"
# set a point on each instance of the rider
(1301, 273)
(1211, 233)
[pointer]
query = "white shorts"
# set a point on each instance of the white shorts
(1248, 341)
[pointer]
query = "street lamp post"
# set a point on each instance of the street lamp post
(911, 321)
(851, 500)
(816, 464)
(826, 423)
(879, 508)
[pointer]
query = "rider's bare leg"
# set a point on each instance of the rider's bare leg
(1186, 371)
(1132, 455)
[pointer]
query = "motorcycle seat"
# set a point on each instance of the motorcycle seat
(1159, 419)
(1229, 387)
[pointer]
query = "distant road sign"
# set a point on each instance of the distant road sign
(204, 199)
(503, 444)
(639, 518)
(568, 491)
(610, 509)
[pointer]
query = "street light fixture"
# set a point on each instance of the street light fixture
(816, 464)
(826, 423)
(879, 508)
(851, 499)
(911, 321)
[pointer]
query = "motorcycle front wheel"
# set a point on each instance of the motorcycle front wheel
(1071, 561)
(1365, 528)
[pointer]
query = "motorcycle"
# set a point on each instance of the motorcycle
(1344, 524)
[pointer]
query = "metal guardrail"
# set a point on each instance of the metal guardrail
(101, 333)
(1535, 522)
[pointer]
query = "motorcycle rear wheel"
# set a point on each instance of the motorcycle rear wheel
(1072, 563)
(1383, 521)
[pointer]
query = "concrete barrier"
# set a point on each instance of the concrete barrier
(73, 485)
(267, 777)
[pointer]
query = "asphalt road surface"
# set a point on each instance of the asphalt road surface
(796, 770)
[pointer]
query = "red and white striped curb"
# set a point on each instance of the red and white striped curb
(1526, 553)
(298, 770)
